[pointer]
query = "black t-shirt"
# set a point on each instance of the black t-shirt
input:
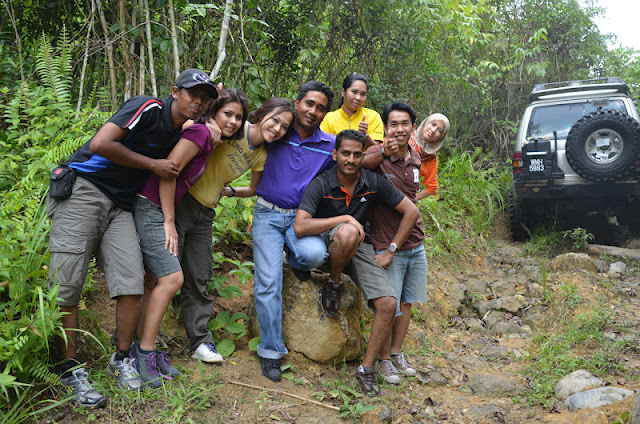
(151, 133)
(326, 198)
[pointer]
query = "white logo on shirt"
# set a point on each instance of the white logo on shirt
(416, 176)
(363, 199)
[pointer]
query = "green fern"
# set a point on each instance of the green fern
(55, 71)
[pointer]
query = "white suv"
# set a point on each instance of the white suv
(578, 150)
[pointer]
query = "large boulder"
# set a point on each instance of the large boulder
(308, 330)
(573, 262)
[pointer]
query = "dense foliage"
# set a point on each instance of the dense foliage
(474, 60)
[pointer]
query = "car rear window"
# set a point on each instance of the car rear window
(547, 119)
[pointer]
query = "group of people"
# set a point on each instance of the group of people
(140, 197)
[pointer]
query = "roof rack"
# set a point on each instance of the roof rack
(615, 83)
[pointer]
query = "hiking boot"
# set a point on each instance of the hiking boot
(207, 353)
(126, 374)
(146, 366)
(271, 369)
(301, 274)
(164, 366)
(331, 297)
(368, 381)
(388, 372)
(78, 386)
(401, 364)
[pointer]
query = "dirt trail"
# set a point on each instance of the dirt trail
(470, 358)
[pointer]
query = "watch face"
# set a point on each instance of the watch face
(393, 247)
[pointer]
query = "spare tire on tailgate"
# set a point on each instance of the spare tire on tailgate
(604, 146)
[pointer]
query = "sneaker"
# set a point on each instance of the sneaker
(207, 353)
(368, 381)
(401, 364)
(164, 366)
(146, 366)
(388, 372)
(78, 386)
(301, 274)
(271, 369)
(331, 297)
(126, 374)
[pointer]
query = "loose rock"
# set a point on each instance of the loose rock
(576, 382)
(595, 398)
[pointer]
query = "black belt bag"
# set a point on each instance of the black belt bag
(61, 182)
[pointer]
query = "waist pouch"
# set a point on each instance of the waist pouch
(61, 182)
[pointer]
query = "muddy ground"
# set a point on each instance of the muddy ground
(441, 342)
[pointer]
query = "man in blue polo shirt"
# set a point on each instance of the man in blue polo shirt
(95, 218)
(336, 205)
(290, 166)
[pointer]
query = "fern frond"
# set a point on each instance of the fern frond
(51, 69)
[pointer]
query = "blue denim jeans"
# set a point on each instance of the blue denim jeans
(408, 273)
(270, 231)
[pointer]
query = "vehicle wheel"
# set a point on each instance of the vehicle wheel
(604, 146)
(517, 219)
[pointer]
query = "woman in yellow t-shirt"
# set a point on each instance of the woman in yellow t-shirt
(241, 149)
(352, 113)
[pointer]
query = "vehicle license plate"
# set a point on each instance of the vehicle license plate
(536, 165)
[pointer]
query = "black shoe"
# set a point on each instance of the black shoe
(301, 274)
(331, 297)
(271, 369)
(368, 381)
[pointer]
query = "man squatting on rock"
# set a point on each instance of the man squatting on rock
(336, 205)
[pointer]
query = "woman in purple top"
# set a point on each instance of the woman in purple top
(154, 216)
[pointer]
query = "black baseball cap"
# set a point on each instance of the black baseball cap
(192, 77)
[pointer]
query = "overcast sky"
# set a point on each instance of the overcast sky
(622, 17)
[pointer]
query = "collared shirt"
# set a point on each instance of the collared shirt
(151, 134)
(326, 197)
(227, 162)
(292, 164)
(384, 222)
(199, 135)
(428, 168)
(336, 121)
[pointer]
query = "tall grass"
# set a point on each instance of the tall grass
(470, 195)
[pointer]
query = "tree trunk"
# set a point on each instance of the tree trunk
(174, 39)
(109, 48)
(132, 47)
(152, 71)
(83, 72)
(11, 13)
(128, 63)
(224, 30)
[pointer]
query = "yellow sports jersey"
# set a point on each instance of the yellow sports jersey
(227, 162)
(336, 121)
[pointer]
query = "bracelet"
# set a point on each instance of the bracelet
(383, 155)
(233, 191)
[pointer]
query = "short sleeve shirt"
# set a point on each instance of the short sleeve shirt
(200, 135)
(384, 222)
(428, 169)
(227, 162)
(336, 121)
(292, 164)
(151, 134)
(325, 197)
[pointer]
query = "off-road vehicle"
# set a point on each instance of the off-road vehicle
(577, 153)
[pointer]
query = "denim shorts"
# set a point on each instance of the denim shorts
(408, 273)
(89, 223)
(150, 225)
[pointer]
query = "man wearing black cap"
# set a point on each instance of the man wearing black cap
(91, 215)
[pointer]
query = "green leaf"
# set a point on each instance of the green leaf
(215, 324)
(226, 347)
(253, 344)
(235, 327)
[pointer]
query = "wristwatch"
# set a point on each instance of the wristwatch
(384, 156)
(392, 248)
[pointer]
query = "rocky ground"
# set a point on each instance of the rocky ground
(492, 320)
